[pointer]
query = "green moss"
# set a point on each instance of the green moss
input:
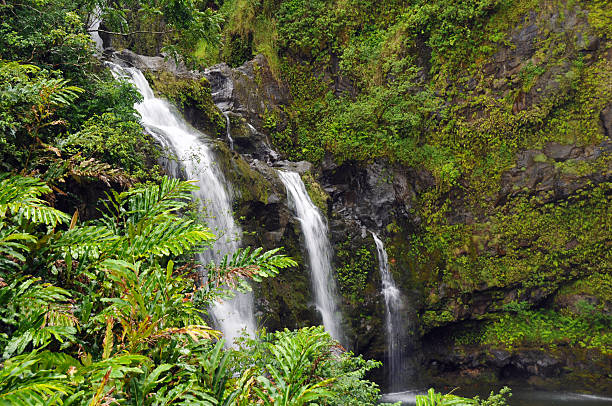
(431, 319)
(189, 93)
(548, 329)
(539, 158)
(318, 196)
(248, 185)
(597, 285)
(353, 269)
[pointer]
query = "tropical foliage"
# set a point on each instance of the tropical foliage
(101, 299)
(433, 398)
(127, 326)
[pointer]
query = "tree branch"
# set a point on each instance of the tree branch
(131, 32)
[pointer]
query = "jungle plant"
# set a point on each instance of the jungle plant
(292, 383)
(433, 398)
(128, 319)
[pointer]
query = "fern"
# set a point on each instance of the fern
(24, 380)
(291, 385)
(166, 237)
(56, 92)
(13, 245)
(434, 398)
(20, 198)
(37, 313)
(246, 264)
(148, 201)
(154, 305)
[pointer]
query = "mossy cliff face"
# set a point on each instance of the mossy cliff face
(481, 154)
(491, 190)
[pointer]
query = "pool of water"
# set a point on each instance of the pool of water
(520, 397)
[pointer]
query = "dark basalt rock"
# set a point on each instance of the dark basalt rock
(155, 64)
(246, 94)
(300, 167)
(374, 195)
(536, 171)
(606, 120)
(546, 369)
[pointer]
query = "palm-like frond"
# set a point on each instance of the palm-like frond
(154, 305)
(25, 381)
(20, 198)
(57, 92)
(434, 398)
(148, 201)
(292, 384)
(37, 312)
(147, 220)
(247, 264)
(164, 237)
(13, 244)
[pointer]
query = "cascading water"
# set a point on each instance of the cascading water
(319, 251)
(228, 131)
(197, 162)
(93, 27)
(396, 335)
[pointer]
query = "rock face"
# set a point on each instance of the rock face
(550, 172)
(357, 197)
(548, 370)
(155, 64)
(247, 95)
(374, 195)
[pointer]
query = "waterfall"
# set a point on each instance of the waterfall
(191, 149)
(93, 26)
(319, 251)
(228, 131)
(394, 306)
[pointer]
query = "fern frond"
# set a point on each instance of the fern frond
(247, 264)
(168, 236)
(150, 201)
(38, 312)
(27, 380)
(13, 244)
(19, 197)
(94, 169)
(57, 92)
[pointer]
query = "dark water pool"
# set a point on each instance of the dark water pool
(521, 397)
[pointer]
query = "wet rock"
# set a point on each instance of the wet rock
(561, 368)
(537, 363)
(245, 139)
(154, 63)
(500, 358)
(606, 120)
(374, 195)
(561, 152)
(586, 42)
(300, 167)
(536, 171)
(250, 90)
(247, 95)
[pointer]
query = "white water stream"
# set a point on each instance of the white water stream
(228, 131)
(319, 251)
(197, 162)
(394, 307)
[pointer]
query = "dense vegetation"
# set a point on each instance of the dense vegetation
(102, 301)
(459, 90)
(101, 297)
